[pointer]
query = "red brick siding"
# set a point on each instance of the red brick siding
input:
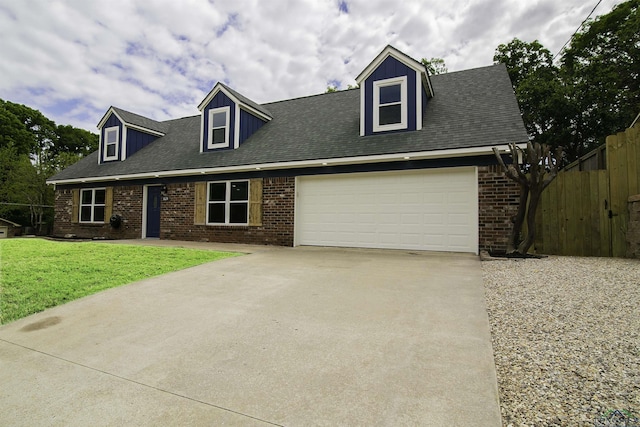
(278, 198)
(498, 198)
(127, 202)
(497, 202)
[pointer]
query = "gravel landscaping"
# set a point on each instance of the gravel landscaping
(566, 338)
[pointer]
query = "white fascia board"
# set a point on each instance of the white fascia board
(132, 126)
(418, 102)
(340, 161)
(209, 96)
(253, 111)
(218, 88)
(395, 53)
(236, 127)
(123, 138)
(100, 146)
(145, 130)
(106, 116)
(362, 111)
(201, 142)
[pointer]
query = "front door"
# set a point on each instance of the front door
(153, 211)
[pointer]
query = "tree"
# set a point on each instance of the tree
(591, 94)
(523, 59)
(541, 93)
(33, 148)
(602, 65)
(434, 65)
(539, 169)
(72, 144)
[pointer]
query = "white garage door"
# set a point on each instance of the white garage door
(433, 209)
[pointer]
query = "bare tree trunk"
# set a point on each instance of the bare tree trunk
(542, 169)
(527, 242)
(518, 220)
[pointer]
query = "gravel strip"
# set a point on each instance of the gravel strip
(566, 338)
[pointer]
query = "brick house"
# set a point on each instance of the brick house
(404, 161)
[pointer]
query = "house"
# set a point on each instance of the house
(404, 161)
(9, 229)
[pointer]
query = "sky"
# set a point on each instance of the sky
(74, 59)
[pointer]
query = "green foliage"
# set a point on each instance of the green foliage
(38, 274)
(435, 65)
(592, 93)
(331, 89)
(603, 66)
(32, 149)
(523, 59)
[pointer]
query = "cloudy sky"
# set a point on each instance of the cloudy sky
(72, 59)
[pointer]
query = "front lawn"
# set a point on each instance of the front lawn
(36, 274)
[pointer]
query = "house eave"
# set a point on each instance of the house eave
(315, 163)
(106, 116)
(219, 88)
(125, 123)
(395, 53)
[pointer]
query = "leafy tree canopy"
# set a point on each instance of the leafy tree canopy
(593, 91)
(33, 148)
(435, 65)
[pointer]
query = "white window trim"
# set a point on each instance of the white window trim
(106, 157)
(93, 205)
(224, 144)
(377, 127)
(227, 202)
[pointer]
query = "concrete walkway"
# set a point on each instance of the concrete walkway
(282, 336)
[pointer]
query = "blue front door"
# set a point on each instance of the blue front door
(153, 211)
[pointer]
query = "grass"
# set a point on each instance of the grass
(36, 274)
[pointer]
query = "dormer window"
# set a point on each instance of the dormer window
(390, 104)
(219, 127)
(111, 142)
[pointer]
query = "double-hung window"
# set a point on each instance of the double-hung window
(228, 202)
(219, 127)
(111, 140)
(92, 205)
(390, 104)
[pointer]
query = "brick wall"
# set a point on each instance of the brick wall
(498, 202)
(498, 198)
(127, 202)
(278, 198)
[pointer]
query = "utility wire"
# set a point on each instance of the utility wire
(577, 29)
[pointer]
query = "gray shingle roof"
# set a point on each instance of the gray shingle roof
(243, 99)
(472, 108)
(138, 120)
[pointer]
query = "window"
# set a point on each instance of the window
(228, 202)
(218, 127)
(390, 104)
(111, 139)
(92, 205)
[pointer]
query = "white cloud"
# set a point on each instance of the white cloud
(73, 59)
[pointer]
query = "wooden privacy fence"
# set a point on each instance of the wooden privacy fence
(585, 212)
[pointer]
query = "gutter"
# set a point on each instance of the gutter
(379, 158)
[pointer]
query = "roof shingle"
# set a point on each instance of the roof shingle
(472, 108)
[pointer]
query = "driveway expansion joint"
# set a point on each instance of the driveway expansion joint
(182, 396)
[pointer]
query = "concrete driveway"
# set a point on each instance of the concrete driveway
(282, 336)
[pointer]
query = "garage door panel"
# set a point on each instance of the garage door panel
(428, 210)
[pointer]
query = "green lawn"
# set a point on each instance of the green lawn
(36, 274)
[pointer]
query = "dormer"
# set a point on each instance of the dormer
(394, 89)
(227, 119)
(123, 133)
